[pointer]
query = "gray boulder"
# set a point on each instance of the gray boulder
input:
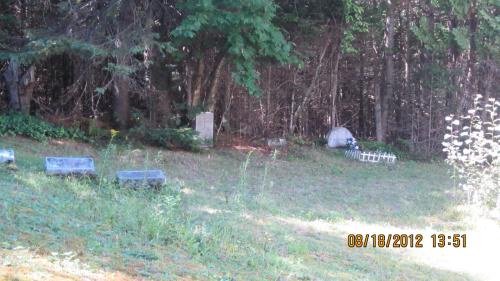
(338, 137)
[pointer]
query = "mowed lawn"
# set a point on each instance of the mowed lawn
(227, 214)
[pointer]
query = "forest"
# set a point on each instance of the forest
(386, 70)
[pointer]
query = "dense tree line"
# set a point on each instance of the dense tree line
(389, 70)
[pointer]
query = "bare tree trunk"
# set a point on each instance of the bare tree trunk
(121, 103)
(214, 85)
(27, 84)
(376, 93)
(11, 76)
(228, 98)
(361, 95)
(268, 100)
(470, 78)
(387, 91)
(198, 82)
(379, 127)
(121, 100)
(188, 81)
(335, 78)
(389, 64)
(20, 88)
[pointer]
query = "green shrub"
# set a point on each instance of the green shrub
(320, 142)
(35, 128)
(383, 147)
(170, 138)
(174, 138)
(298, 140)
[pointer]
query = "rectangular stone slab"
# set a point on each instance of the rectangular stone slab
(69, 166)
(204, 125)
(7, 156)
(142, 178)
(277, 142)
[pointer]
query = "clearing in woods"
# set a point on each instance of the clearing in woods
(229, 215)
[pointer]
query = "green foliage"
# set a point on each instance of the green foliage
(438, 36)
(241, 29)
(434, 37)
(41, 48)
(459, 7)
(320, 142)
(170, 138)
(383, 147)
(174, 138)
(9, 25)
(32, 127)
(100, 90)
(120, 69)
(461, 37)
(353, 15)
(489, 29)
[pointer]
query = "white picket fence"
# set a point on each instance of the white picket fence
(369, 156)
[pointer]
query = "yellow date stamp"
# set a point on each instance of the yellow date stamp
(405, 240)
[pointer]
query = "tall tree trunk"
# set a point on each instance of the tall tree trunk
(227, 100)
(335, 75)
(387, 90)
(121, 100)
(470, 78)
(19, 88)
(121, 103)
(379, 127)
(27, 84)
(159, 88)
(198, 82)
(214, 84)
(11, 76)
(361, 96)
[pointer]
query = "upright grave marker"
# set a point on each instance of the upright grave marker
(64, 166)
(7, 156)
(143, 178)
(204, 125)
(276, 142)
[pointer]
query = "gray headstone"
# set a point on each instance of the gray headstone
(144, 178)
(279, 142)
(204, 125)
(7, 156)
(69, 166)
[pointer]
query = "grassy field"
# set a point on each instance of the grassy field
(227, 214)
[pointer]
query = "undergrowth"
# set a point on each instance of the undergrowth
(35, 128)
(185, 138)
(39, 130)
(384, 147)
